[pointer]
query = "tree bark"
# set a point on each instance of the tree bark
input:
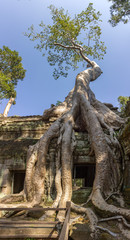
(8, 106)
(100, 122)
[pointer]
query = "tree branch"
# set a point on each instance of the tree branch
(81, 49)
(86, 59)
(67, 47)
(76, 47)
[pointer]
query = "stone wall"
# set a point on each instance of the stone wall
(17, 133)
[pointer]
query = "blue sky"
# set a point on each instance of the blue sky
(39, 90)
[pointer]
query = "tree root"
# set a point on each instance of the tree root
(80, 109)
(62, 108)
(108, 197)
(16, 205)
(119, 200)
(12, 198)
(125, 232)
(107, 230)
(111, 210)
(116, 218)
(93, 222)
(90, 214)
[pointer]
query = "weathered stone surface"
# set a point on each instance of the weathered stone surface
(80, 231)
(83, 159)
(18, 133)
(81, 195)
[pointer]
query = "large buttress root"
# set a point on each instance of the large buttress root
(36, 166)
(66, 166)
(100, 123)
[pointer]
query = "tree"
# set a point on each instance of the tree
(67, 48)
(11, 71)
(58, 40)
(120, 11)
(122, 102)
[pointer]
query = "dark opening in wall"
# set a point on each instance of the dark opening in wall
(83, 175)
(18, 181)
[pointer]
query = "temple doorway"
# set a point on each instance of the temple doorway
(83, 175)
(18, 181)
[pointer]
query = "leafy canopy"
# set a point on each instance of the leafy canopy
(120, 11)
(62, 39)
(11, 70)
(122, 102)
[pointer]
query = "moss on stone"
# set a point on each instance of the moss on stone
(126, 131)
(81, 195)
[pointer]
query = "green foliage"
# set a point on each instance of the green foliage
(122, 102)
(30, 239)
(11, 70)
(58, 102)
(120, 11)
(58, 39)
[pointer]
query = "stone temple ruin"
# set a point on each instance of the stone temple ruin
(17, 133)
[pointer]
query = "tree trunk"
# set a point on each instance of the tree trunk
(8, 106)
(79, 108)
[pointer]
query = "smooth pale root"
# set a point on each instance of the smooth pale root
(79, 108)
(82, 103)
